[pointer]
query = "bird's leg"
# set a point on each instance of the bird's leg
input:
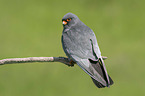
(71, 63)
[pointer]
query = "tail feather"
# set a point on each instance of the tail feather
(99, 85)
(100, 68)
(111, 81)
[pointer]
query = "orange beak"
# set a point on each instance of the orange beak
(64, 22)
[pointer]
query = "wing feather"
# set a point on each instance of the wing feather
(86, 65)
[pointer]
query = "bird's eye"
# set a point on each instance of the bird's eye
(69, 19)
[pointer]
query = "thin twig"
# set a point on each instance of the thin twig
(38, 59)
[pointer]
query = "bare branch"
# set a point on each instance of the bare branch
(39, 59)
(104, 57)
(34, 59)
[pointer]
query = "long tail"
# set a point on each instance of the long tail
(99, 85)
(99, 66)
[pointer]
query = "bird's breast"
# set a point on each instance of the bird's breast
(76, 43)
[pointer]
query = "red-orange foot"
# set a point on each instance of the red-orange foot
(71, 63)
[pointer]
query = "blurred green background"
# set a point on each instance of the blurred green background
(33, 28)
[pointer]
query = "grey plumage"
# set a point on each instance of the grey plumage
(80, 45)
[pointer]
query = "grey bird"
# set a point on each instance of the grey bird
(80, 45)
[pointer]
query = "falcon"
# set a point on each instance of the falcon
(80, 45)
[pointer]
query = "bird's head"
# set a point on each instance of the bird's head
(69, 20)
